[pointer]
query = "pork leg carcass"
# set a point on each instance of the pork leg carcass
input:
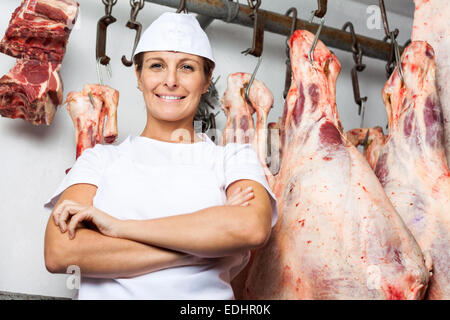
(89, 118)
(372, 139)
(240, 128)
(432, 24)
(32, 91)
(337, 236)
(412, 166)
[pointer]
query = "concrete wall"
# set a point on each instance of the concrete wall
(33, 159)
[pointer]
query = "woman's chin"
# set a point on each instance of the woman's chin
(171, 117)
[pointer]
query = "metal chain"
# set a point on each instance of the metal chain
(109, 2)
(254, 4)
(134, 3)
(356, 48)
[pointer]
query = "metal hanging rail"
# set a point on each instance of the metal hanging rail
(281, 24)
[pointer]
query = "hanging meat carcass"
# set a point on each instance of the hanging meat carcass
(40, 29)
(337, 236)
(239, 127)
(412, 166)
(432, 24)
(32, 90)
(88, 115)
(37, 34)
(372, 139)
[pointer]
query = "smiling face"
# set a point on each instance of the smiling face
(172, 84)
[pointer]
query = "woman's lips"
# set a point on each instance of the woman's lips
(170, 98)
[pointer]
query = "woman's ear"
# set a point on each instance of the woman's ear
(208, 83)
(138, 76)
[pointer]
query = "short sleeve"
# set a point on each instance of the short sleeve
(241, 162)
(88, 168)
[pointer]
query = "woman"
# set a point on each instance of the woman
(157, 217)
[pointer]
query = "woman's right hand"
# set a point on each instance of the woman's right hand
(240, 197)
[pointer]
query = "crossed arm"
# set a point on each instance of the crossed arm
(139, 247)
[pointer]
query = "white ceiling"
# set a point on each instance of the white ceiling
(403, 7)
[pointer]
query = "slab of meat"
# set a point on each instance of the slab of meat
(338, 236)
(89, 119)
(432, 24)
(372, 139)
(37, 35)
(412, 165)
(39, 29)
(32, 91)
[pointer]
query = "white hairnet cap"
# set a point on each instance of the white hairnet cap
(176, 32)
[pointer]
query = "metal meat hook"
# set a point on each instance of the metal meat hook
(316, 39)
(102, 27)
(321, 8)
(358, 67)
(136, 6)
(287, 82)
(258, 29)
(100, 50)
(252, 78)
(385, 21)
(366, 138)
(398, 61)
(91, 99)
(319, 13)
(99, 73)
(395, 51)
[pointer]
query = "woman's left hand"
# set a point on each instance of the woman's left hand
(77, 212)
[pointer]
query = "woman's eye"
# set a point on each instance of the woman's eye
(156, 66)
(188, 67)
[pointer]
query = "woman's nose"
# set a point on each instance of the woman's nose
(171, 80)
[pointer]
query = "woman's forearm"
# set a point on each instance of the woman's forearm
(212, 232)
(100, 256)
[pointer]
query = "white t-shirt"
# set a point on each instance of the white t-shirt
(143, 178)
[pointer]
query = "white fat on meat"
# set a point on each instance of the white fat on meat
(412, 166)
(432, 24)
